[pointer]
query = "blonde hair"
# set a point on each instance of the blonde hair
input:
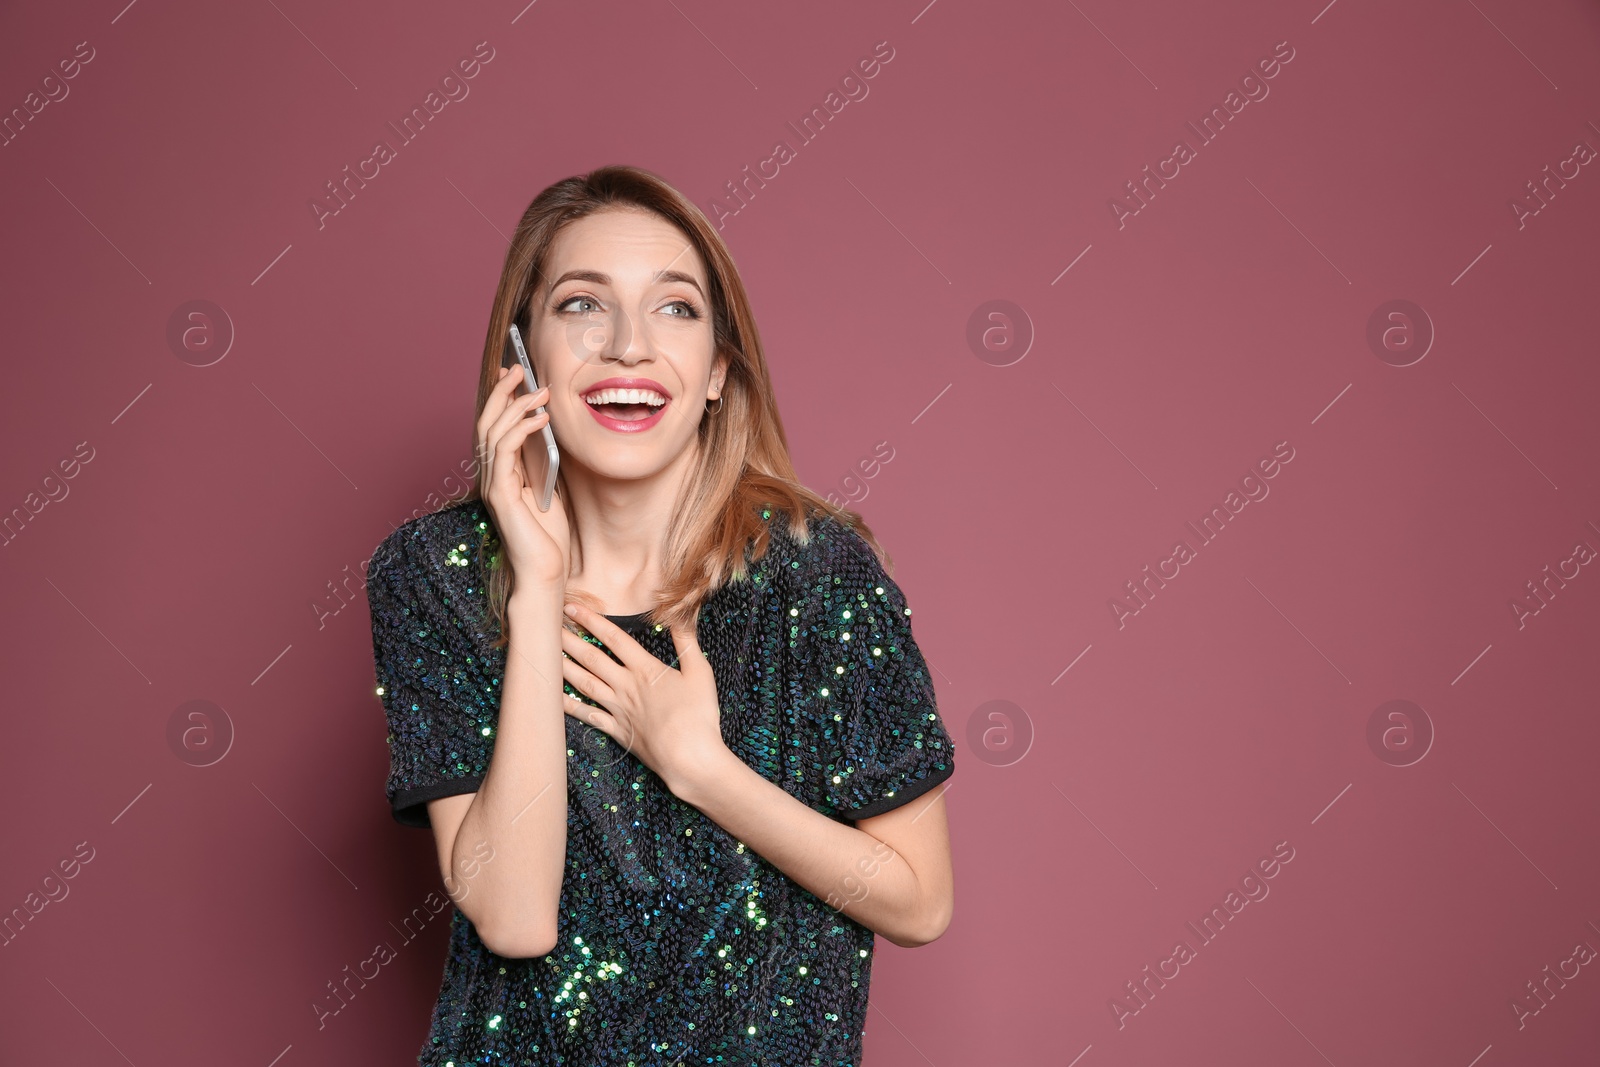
(744, 467)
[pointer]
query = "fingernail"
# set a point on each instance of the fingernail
(571, 609)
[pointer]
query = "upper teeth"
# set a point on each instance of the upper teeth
(626, 396)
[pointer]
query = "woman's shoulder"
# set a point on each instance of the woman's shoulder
(447, 538)
(830, 549)
(437, 531)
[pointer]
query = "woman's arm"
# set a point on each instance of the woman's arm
(502, 850)
(891, 873)
(510, 840)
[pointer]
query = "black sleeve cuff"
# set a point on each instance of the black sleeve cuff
(410, 806)
(903, 796)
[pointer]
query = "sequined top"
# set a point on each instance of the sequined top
(676, 943)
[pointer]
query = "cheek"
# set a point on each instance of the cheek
(569, 409)
(572, 343)
(683, 418)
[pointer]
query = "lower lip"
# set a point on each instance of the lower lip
(626, 426)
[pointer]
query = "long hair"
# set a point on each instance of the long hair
(744, 469)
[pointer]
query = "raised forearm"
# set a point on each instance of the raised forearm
(849, 869)
(520, 809)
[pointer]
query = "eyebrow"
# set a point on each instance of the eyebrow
(600, 278)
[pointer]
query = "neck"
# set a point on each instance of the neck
(619, 529)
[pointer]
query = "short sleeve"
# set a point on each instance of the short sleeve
(883, 743)
(440, 693)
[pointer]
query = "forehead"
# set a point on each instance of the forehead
(628, 244)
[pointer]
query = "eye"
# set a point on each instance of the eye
(690, 310)
(576, 299)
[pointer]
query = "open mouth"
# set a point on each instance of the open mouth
(627, 412)
(626, 409)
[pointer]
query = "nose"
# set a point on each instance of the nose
(622, 342)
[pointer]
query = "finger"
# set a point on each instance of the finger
(599, 718)
(508, 487)
(515, 410)
(580, 680)
(507, 383)
(507, 451)
(493, 405)
(496, 401)
(589, 669)
(630, 652)
(613, 738)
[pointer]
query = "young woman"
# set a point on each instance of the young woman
(678, 749)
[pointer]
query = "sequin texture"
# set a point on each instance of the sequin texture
(677, 944)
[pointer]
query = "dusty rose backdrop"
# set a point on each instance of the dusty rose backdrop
(1338, 346)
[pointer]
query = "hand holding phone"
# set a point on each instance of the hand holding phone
(549, 438)
(534, 540)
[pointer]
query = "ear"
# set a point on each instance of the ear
(719, 374)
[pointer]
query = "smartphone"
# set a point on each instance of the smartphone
(549, 438)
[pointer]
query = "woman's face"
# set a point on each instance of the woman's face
(623, 338)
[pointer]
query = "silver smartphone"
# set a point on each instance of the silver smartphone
(549, 438)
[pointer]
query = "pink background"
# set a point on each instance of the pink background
(1160, 759)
